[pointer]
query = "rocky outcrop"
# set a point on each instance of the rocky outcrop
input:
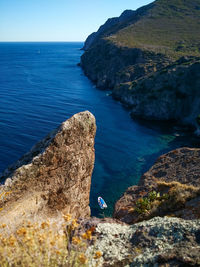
(55, 176)
(181, 165)
(171, 187)
(157, 242)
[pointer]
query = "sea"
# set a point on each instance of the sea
(41, 86)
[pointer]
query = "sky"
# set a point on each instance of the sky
(57, 20)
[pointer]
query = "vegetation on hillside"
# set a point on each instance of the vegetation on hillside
(171, 27)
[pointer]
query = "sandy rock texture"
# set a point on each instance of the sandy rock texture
(55, 176)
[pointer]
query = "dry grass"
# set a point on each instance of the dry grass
(178, 193)
(45, 244)
(168, 197)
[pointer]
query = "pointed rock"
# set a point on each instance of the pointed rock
(55, 176)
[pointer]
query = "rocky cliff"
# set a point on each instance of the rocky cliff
(173, 93)
(55, 176)
(149, 46)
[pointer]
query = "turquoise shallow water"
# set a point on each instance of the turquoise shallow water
(41, 86)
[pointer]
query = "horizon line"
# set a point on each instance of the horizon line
(42, 41)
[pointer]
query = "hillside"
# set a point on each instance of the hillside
(171, 27)
(142, 43)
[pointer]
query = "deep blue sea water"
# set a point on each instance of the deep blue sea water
(41, 86)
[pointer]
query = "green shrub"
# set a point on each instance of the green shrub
(145, 204)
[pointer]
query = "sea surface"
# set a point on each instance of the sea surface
(41, 86)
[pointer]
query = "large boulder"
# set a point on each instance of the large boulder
(55, 176)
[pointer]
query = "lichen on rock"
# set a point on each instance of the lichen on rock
(149, 243)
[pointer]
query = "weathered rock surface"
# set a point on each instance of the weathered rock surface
(173, 93)
(157, 242)
(175, 174)
(55, 176)
(180, 165)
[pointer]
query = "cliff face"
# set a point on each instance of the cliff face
(143, 45)
(173, 93)
(109, 65)
(171, 187)
(55, 176)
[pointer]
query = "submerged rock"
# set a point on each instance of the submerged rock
(55, 176)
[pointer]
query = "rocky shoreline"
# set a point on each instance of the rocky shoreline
(169, 94)
(154, 224)
(155, 82)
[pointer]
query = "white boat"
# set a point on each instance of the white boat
(102, 203)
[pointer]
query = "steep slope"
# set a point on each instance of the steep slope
(145, 42)
(171, 27)
(167, 26)
(109, 24)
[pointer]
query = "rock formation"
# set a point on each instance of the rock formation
(175, 177)
(55, 176)
(150, 59)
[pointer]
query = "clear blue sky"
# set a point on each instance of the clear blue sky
(57, 20)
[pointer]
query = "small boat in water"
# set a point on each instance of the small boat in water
(102, 203)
